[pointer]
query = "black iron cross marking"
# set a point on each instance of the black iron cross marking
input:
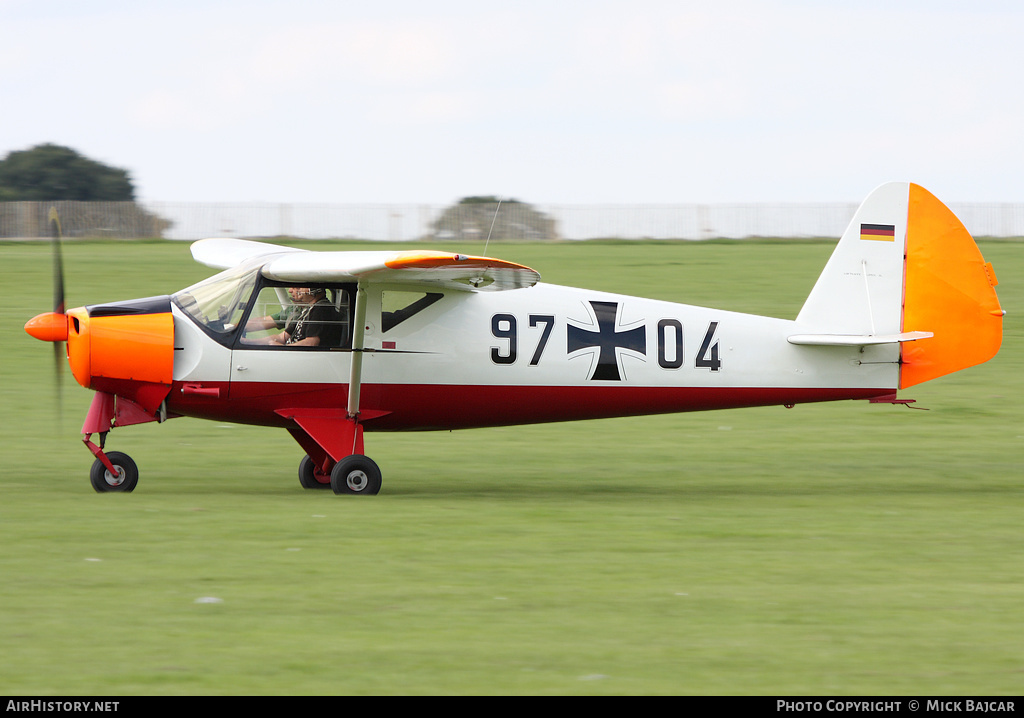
(608, 340)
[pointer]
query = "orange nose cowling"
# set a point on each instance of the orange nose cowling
(49, 327)
(121, 354)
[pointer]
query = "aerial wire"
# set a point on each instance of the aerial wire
(493, 220)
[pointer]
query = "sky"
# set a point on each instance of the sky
(551, 102)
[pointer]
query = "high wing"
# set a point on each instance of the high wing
(227, 252)
(436, 269)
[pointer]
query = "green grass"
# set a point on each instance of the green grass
(837, 549)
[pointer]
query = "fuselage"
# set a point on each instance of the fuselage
(539, 354)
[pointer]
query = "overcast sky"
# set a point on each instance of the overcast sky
(547, 102)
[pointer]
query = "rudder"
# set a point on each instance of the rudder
(949, 291)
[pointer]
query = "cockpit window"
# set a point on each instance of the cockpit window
(317, 316)
(219, 302)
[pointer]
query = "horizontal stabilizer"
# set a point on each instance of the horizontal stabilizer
(858, 340)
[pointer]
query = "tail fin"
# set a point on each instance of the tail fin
(907, 271)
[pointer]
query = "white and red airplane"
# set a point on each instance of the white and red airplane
(331, 344)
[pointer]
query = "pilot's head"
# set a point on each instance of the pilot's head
(305, 295)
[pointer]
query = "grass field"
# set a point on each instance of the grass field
(833, 549)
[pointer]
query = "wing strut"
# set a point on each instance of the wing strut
(356, 371)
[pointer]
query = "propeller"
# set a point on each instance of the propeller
(58, 302)
(53, 326)
(58, 264)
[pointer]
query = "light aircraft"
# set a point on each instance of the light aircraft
(422, 340)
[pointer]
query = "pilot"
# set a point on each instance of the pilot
(314, 324)
(279, 319)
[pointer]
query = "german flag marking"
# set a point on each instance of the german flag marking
(878, 232)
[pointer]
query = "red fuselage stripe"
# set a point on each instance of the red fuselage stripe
(434, 406)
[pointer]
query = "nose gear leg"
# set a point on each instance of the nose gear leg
(97, 451)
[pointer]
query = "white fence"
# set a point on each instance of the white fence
(399, 222)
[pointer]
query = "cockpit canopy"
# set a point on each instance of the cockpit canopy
(218, 304)
(241, 297)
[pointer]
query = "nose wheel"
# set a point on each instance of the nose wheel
(124, 478)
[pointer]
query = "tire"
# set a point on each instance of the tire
(126, 480)
(310, 474)
(356, 474)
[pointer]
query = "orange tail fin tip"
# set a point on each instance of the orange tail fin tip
(949, 290)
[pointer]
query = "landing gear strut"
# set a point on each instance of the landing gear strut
(327, 433)
(114, 470)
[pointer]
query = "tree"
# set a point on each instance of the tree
(475, 217)
(93, 199)
(49, 172)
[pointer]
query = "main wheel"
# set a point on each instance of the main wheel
(127, 474)
(356, 474)
(310, 475)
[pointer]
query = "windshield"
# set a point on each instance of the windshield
(219, 302)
